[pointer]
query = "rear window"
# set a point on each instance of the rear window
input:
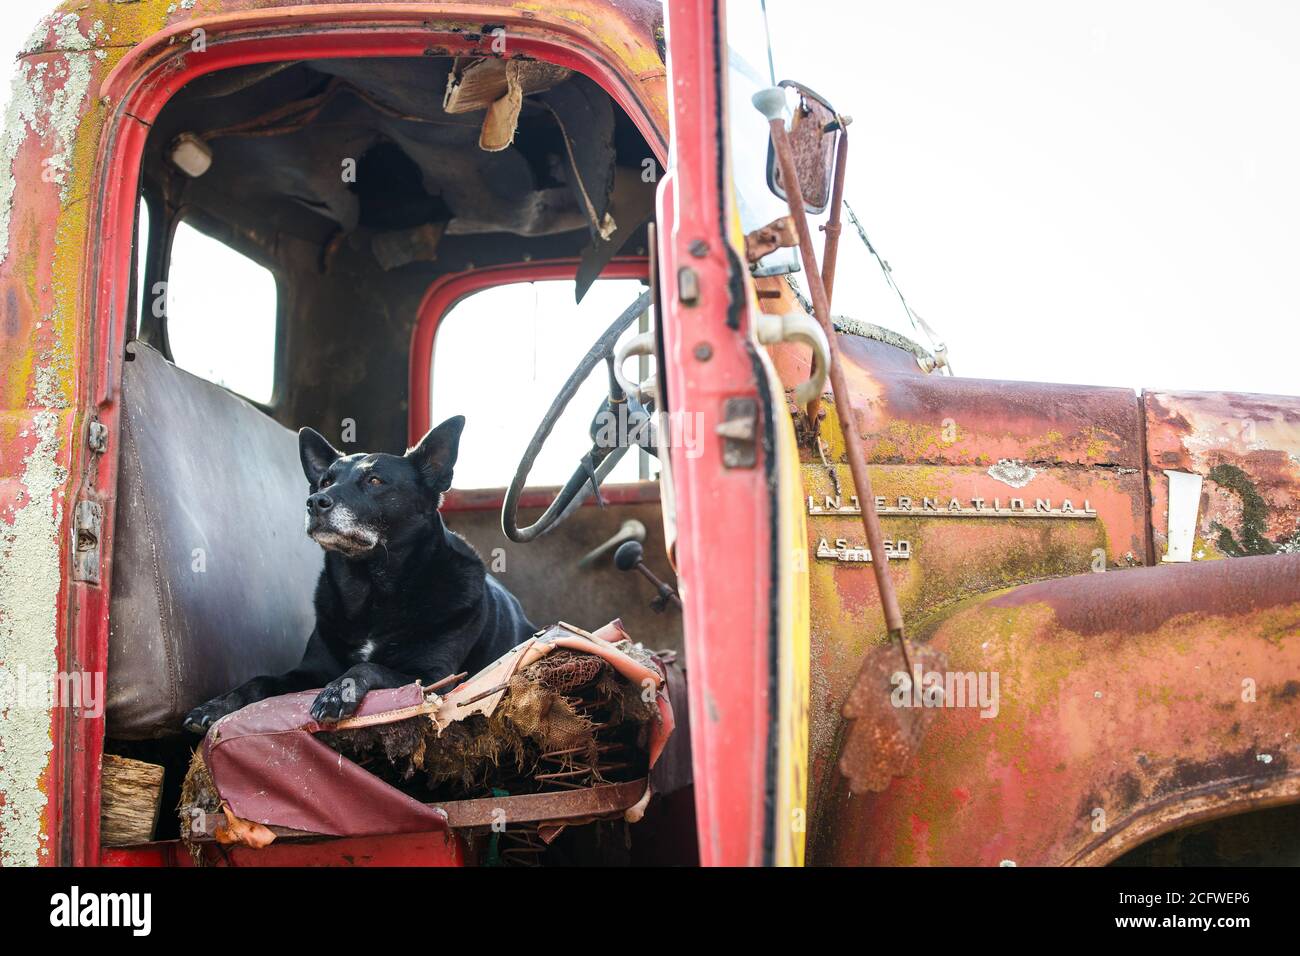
(221, 311)
(500, 357)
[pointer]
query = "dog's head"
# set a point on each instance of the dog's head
(362, 502)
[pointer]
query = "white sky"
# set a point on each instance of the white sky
(536, 362)
(1102, 193)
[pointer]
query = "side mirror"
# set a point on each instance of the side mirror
(814, 135)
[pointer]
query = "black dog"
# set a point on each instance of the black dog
(400, 597)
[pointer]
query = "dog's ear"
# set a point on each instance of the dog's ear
(316, 453)
(435, 455)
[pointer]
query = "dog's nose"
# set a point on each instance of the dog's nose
(319, 503)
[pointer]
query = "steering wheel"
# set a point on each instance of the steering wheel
(634, 430)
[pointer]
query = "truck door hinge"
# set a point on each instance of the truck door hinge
(739, 432)
(97, 437)
(87, 530)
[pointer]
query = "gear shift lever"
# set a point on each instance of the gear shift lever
(628, 557)
(632, 530)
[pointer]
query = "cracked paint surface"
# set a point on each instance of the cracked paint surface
(1247, 448)
(42, 175)
(46, 101)
(29, 586)
(29, 592)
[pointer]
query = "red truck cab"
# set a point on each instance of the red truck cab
(1119, 570)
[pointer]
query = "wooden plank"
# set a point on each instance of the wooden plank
(130, 798)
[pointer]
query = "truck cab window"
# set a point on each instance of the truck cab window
(221, 314)
(505, 352)
(142, 297)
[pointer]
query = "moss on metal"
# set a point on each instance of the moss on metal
(1254, 515)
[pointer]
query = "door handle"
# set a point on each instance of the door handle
(643, 344)
(797, 327)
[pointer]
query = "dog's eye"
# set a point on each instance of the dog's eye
(326, 481)
(374, 480)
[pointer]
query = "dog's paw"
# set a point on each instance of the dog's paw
(198, 720)
(340, 698)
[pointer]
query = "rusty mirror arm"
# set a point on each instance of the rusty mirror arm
(771, 103)
(881, 738)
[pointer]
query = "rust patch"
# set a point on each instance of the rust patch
(883, 736)
(1288, 690)
(1248, 449)
(945, 420)
(1098, 744)
(1238, 765)
(1125, 603)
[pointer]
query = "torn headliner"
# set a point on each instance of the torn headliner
(354, 259)
(415, 163)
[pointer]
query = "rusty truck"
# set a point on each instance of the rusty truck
(907, 617)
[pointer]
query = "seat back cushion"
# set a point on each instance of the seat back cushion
(213, 575)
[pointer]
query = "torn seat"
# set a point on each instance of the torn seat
(562, 729)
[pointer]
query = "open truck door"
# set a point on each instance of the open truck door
(738, 522)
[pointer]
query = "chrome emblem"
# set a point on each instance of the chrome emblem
(841, 550)
(905, 507)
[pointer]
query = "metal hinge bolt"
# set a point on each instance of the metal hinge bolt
(97, 437)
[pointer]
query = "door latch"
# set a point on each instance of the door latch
(87, 529)
(739, 431)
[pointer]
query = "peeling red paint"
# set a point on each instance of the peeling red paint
(1247, 447)
(1142, 602)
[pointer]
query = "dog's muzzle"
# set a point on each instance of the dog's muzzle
(335, 527)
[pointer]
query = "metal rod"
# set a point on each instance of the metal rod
(839, 387)
(487, 693)
(447, 680)
(833, 227)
